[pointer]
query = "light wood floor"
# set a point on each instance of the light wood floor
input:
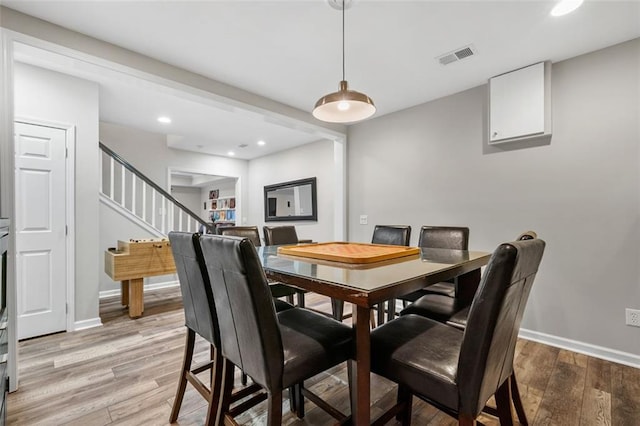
(125, 373)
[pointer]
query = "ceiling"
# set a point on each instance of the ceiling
(290, 52)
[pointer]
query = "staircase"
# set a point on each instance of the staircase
(132, 194)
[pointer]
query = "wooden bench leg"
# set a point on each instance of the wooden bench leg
(124, 292)
(136, 300)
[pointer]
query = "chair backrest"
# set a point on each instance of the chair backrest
(488, 346)
(197, 297)
(276, 235)
(249, 333)
(527, 235)
(394, 235)
(250, 232)
(444, 237)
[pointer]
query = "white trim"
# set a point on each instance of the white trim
(146, 287)
(7, 199)
(70, 202)
(595, 351)
(88, 323)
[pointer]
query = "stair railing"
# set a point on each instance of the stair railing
(125, 185)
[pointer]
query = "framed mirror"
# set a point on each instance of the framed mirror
(291, 201)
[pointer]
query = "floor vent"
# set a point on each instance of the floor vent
(457, 55)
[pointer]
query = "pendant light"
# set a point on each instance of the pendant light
(344, 106)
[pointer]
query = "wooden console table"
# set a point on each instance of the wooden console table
(134, 260)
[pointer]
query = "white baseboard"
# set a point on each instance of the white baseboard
(89, 323)
(595, 351)
(154, 286)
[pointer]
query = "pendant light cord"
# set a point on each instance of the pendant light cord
(343, 73)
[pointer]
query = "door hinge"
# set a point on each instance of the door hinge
(66, 308)
(66, 230)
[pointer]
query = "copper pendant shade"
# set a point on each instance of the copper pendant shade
(344, 106)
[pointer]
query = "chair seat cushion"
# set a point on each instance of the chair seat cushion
(281, 305)
(281, 290)
(444, 288)
(312, 343)
(420, 353)
(459, 320)
(434, 306)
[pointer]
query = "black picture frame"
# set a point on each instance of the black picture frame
(271, 193)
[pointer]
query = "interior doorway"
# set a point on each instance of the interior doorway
(214, 198)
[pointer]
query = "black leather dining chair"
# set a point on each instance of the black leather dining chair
(440, 301)
(457, 370)
(459, 320)
(200, 319)
(278, 235)
(277, 350)
(277, 289)
(393, 235)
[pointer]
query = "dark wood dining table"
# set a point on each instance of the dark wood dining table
(366, 285)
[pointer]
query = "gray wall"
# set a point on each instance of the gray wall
(430, 165)
(314, 159)
(48, 95)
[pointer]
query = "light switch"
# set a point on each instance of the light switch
(364, 219)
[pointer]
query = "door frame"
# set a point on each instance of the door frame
(70, 246)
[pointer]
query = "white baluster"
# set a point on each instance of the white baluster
(144, 201)
(123, 174)
(180, 212)
(133, 194)
(111, 178)
(153, 207)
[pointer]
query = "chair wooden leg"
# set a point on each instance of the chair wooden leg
(391, 309)
(405, 396)
(182, 383)
(380, 308)
(351, 365)
(337, 308)
(216, 387)
(465, 420)
(274, 416)
(293, 400)
(503, 404)
(227, 389)
(297, 389)
(517, 402)
(300, 295)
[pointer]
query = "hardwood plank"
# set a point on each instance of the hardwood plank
(599, 375)
(126, 373)
(596, 408)
(562, 400)
(625, 388)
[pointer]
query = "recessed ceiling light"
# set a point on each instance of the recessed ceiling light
(565, 6)
(231, 153)
(164, 120)
(261, 143)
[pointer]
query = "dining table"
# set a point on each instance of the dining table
(366, 285)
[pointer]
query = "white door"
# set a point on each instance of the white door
(40, 229)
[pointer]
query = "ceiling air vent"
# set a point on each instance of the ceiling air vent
(457, 55)
(244, 145)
